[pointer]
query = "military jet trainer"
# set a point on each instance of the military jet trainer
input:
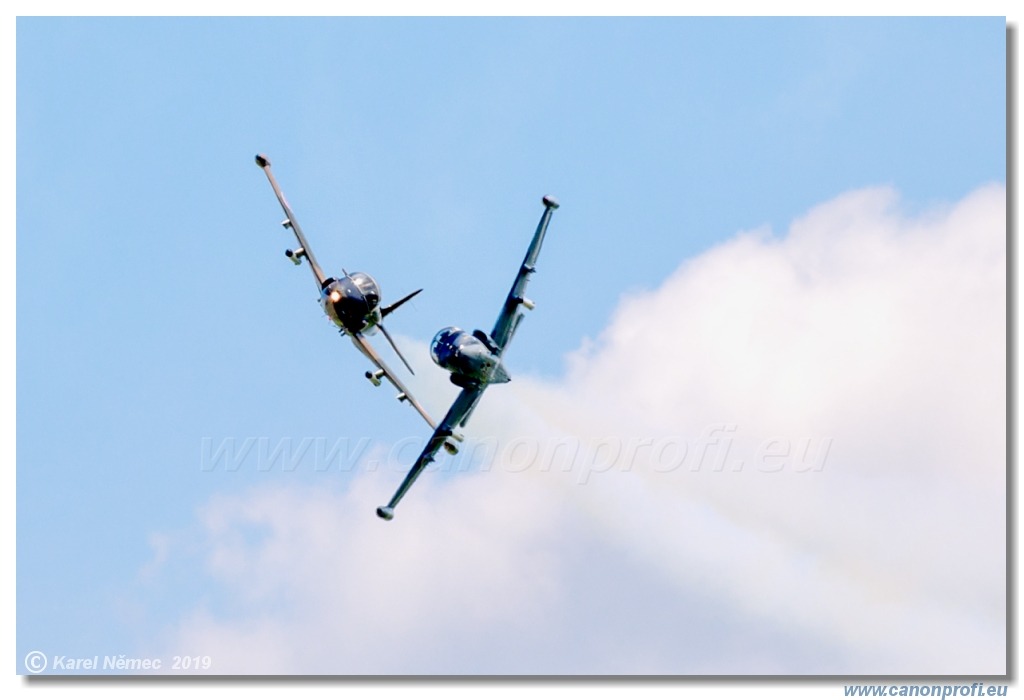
(352, 302)
(474, 360)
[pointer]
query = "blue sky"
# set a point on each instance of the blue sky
(155, 308)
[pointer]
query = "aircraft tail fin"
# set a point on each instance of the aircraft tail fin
(392, 307)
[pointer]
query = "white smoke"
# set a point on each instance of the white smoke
(788, 458)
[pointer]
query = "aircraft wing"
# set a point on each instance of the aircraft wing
(290, 222)
(511, 314)
(462, 407)
(364, 346)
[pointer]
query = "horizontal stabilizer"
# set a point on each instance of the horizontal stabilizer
(397, 351)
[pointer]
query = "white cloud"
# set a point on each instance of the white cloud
(856, 366)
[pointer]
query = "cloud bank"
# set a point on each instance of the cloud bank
(788, 458)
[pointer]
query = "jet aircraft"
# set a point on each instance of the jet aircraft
(474, 360)
(352, 302)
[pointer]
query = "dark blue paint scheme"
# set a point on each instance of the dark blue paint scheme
(474, 361)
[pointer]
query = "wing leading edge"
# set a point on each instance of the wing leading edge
(463, 405)
(510, 315)
(304, 250)
(404, 394)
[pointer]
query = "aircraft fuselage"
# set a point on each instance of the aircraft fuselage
(352, 302)
(471, 358)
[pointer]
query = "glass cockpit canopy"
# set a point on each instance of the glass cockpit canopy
(369, 288)
(445, 344)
